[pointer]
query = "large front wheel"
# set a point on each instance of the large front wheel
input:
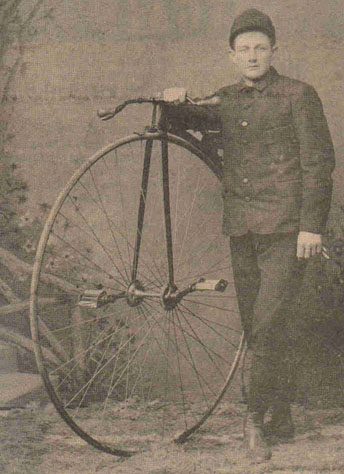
(143, 337)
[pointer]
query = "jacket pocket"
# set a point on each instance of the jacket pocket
(279, 143)
(226, 190)
(283, 134)
(291, 187)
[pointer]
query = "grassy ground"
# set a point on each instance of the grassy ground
(22, 441)
(36, 441)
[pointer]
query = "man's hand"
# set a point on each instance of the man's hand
(308, 244)
(176, 95)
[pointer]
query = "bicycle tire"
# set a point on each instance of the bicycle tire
(83, 238)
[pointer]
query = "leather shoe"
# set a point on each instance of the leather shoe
(257, 448)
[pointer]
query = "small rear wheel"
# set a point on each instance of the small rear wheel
(131, 351)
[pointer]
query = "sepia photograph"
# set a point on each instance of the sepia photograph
(172, 236)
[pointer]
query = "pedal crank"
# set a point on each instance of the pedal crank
(169, 296)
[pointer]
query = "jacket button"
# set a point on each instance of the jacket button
(244, 123)
(245, 180)
(247, 198)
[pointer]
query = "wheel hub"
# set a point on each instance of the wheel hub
(134, 293)
(169, 297)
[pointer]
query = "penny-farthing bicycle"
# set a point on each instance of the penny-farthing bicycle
(142, 327)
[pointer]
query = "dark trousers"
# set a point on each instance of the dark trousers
(268, 277)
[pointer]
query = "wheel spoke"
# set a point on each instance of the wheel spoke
(99, 340)
(149, 350)
(189, 215)
(212, 307)
(210, 352)
(167, 366)
(122, 369)
(216, 323)
(143, 261)
(94, 265)
(188, 358)
(124, 213)
(205, 322)
(97, 239)
(110, 228)
(197, 373)
(180, 373)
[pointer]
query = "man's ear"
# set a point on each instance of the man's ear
(232, 55)
(274, 50)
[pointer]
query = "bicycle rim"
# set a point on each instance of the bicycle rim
(162, 367)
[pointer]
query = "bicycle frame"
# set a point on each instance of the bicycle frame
(206, 145)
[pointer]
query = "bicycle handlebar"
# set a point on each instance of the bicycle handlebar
(109, 114)
(104, 114)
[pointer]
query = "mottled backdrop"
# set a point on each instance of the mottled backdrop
(83, 54)
(80, 55)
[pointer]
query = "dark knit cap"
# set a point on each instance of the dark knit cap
(252, 20)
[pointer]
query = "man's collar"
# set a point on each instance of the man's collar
(262, 83)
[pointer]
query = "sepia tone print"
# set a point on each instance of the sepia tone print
(145, 161)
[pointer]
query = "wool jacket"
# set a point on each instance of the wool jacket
(278, 154)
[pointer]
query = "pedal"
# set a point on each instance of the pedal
(211, 285)
(93, 299)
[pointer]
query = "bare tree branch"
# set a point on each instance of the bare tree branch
(24, 305)
(10, 77)
(55, 343)
(20, 268)
(8, 14)
(26, 343)
(33, 12)
(47, 333)
(8, 293)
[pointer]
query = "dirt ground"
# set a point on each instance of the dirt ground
(35, 440)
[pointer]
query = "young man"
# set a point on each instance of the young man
(278, 160)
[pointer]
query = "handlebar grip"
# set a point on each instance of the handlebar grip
(109, 114)
(106, 114)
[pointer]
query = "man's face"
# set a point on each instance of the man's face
(252, 54)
